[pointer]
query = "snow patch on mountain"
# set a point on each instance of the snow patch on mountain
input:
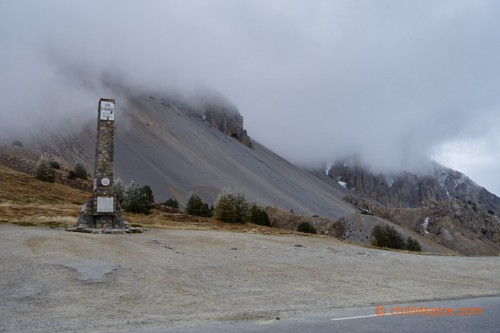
(441, 178)
(425, 224)
(328, 167)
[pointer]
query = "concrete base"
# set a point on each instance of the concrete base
(128, 230)
(90, 220)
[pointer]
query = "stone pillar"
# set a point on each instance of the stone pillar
(103, 172)
(102, 211)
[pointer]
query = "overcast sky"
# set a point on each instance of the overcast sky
(395, 81)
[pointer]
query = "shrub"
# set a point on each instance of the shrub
(387, 236)
(259, 216)
(138, 199)
(17, 143)
(45, 172)
(224, 208)
(306, 227)
(384, 235)
(413, 245)
(205, 211)
(241, 208)
(171, 203)
(78, 172)
(380, 237)
(119, 190)
(231, 207)
(195, 206)
(54, 165)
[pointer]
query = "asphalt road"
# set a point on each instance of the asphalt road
(469, 315)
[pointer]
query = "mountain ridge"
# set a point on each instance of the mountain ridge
(442, 204)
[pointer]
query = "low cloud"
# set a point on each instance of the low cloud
(397, 82)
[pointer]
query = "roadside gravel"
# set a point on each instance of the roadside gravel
(55, 281)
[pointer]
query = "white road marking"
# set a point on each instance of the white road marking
(358, 317)
(382, 315)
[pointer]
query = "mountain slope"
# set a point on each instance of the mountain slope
(411, 190)
(177, 151)
(177, 148)
(442, 204)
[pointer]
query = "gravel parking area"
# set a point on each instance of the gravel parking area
(55, 281)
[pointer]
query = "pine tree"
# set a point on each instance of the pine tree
(45, 172)
(138, 199)
(231, 208)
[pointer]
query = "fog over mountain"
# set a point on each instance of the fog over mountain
(398, 82)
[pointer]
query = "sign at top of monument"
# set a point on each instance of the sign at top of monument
(107, 110)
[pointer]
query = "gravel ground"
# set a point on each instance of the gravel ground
(54, 281)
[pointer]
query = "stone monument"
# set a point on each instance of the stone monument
(102, 211)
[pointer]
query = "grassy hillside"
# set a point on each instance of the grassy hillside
(26, 200)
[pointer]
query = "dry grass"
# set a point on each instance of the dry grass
(158, 219)
(27, 201)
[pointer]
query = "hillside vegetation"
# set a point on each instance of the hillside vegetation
(27, 201)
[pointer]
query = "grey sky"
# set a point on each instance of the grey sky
(396, 81)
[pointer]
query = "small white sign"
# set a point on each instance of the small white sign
(107, 110)
(105, 205)
(105, 181)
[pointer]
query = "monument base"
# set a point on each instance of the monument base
(128, 230)
(102, 223)
(91, 218)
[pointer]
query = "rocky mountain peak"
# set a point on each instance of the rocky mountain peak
(411, 190)
(442, 204)
(214, 108)
(229, 123)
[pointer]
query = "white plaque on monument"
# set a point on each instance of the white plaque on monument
(107, 110)
(105, 204)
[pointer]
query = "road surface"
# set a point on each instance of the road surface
(469, 315)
